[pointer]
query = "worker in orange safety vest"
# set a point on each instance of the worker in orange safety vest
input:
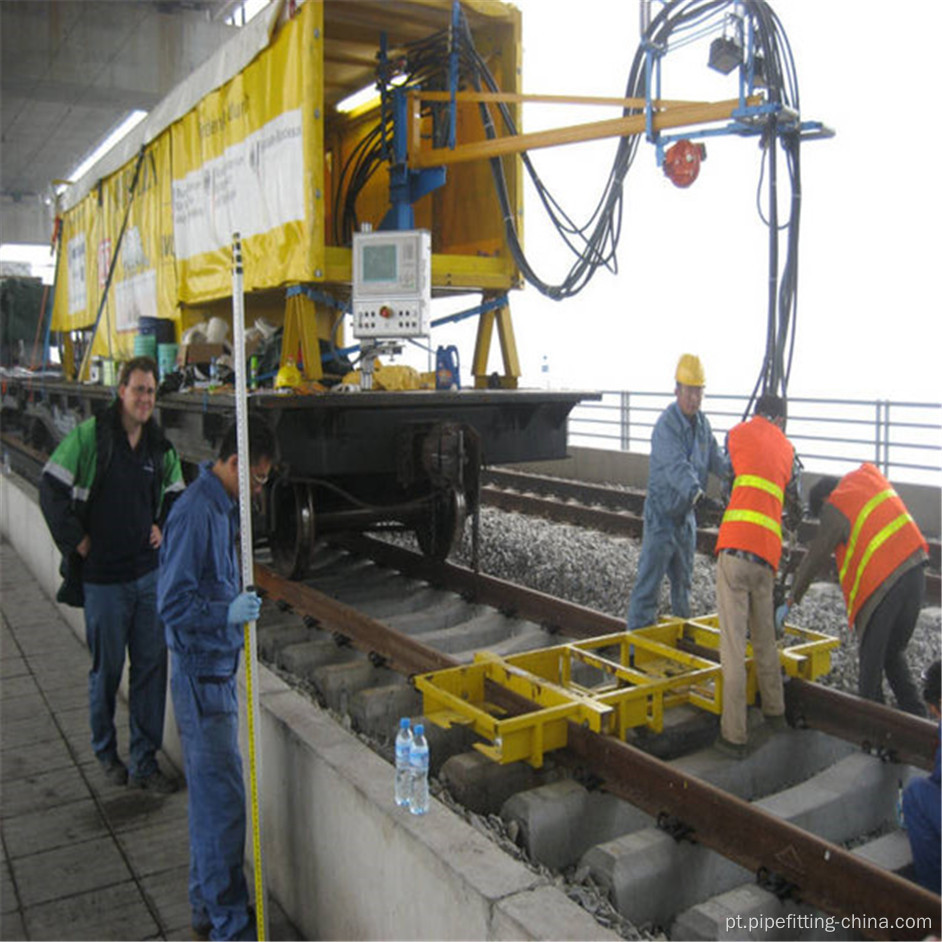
(881, 558)
(749, 548)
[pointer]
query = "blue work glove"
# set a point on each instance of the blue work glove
(781, 613)
(244, 607)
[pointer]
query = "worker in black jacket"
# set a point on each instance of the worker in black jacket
(103, 492)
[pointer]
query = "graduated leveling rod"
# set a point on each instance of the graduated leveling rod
(245, 540)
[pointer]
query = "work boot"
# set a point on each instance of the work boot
(733, 750)
(115, 770)
(778, 724)
(156, 782)
(200, 931)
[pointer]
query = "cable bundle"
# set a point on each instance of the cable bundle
(595, 242)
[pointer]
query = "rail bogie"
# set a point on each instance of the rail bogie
(347, 461)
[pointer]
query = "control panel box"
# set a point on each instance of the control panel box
(392, 283)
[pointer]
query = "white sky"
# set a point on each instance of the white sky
(693, 263)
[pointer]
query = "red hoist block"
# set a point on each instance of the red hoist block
(682, 162)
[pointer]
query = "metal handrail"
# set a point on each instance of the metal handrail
(627, 418)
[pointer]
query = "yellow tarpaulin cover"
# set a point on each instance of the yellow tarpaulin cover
(242, 161)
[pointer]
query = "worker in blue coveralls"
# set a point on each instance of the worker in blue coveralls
(683, 452)
(204, 610)
(922, 801)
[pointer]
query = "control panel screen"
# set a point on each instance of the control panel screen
(379, 263)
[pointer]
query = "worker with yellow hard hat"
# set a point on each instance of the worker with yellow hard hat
(683, 453)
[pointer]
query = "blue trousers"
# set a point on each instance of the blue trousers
(207, 713)
(667, 548)
(921, 808)
(119, 616)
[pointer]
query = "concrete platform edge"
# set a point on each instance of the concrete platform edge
(323, 790)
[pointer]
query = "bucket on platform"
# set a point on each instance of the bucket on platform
(446, 368)
(166, 359)
(107, 371)
(145, 345)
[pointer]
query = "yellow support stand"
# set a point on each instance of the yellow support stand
(305, 325)
(508, 348)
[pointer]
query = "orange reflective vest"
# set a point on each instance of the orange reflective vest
(762, 459)
(882, 534)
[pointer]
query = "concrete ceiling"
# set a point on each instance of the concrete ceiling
(71, 71)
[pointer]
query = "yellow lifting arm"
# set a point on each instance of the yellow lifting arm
(669, 116)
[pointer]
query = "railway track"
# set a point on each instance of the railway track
(371, 615)
(22, 458)
(610, 510)
(619, 512)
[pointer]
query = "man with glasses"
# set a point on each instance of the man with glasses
(204, 609)
(104, 493)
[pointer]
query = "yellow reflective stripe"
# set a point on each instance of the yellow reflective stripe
(753, 480)
(753, 516)
(865, 512)
(872, 547)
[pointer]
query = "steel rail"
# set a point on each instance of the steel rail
(890, 734)
(812, 869)
(805, 866)
(27, 461)
(382, 644)
(586, 493)
(627, 521)
(631, 501)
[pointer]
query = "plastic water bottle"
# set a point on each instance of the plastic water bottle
(545, 373)
(403, 772)
(418, 765)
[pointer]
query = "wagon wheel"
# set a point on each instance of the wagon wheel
(441, 529)
(292, 535)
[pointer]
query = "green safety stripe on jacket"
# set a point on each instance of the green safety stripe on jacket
(865, 512)
(872, 547)
(753, 516)
(763, 484)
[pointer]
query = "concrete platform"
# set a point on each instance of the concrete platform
(341, 858)
(82, 858)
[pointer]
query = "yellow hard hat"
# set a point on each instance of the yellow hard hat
(690, 371)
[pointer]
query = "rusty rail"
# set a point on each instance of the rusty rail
(822, 874)
(816, 871)
(891, 734)
(621, 514)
